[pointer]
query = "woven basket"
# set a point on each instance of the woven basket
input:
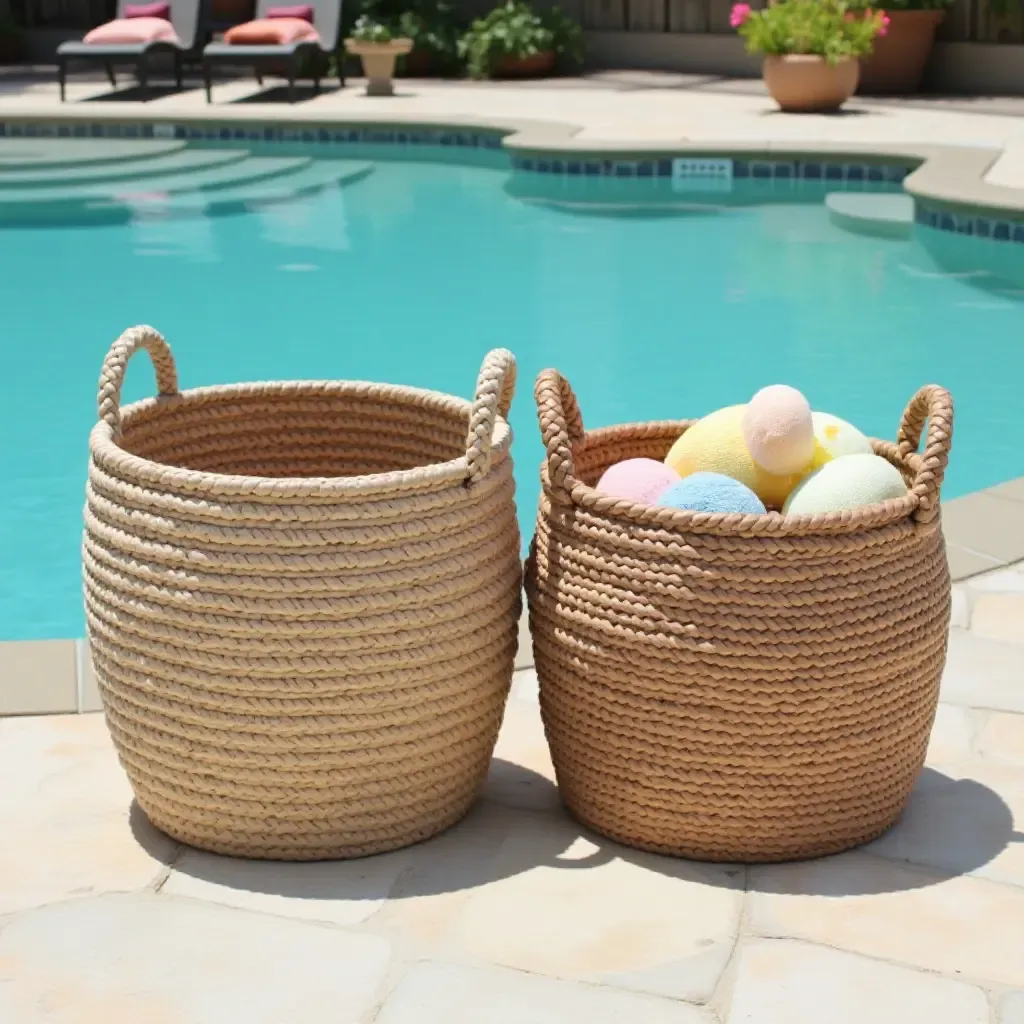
(302, 601)
(735, 687)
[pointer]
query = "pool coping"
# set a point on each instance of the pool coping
(951, 176)
(984, 530)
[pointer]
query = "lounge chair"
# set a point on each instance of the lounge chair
(122, 42)
(302, 53)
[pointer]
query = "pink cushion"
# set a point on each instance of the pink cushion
(302, 11)
(271, 32)
(133, 30)
(157, 10)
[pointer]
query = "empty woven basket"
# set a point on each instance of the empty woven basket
(735, 687)
(302, 602)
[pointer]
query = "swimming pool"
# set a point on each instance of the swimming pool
(653, 304)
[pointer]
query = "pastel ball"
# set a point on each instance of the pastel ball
(847, 482)
(712, 492)
(778, 430)
(715, 444)
(640, 480)
(834, 437)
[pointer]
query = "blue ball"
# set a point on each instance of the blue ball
(711, 492)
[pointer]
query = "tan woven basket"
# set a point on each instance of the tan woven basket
(302, 601)
(735, 687)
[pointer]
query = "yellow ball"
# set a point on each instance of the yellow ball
(834, 437)
(715, 444)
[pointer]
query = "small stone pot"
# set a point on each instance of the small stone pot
(379, 62)
(897, 62)
(537, 65)
(805, 84)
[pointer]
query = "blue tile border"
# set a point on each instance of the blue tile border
(458, 138)
(991, 226)
(818, 169)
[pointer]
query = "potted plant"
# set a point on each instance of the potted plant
(811, 48)
(515, 41)
(435, 27)
(378, 48)
(896, 65)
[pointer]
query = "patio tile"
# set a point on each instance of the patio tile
(336, 892)
(88, 691)
(964, 563)
(963, 820)
(785, 982)
(864, 904)
(601, 913)
(66, 799)
(521, 773)
(999, 616)
(951, 735)
(1011, 1008)
(991, 526)
(1001, 738)
(133, 959)
(439, 993)
(961, 606)
(1012, 490)
(983, 673)
(37, 677)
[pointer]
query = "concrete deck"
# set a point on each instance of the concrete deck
(517, 915)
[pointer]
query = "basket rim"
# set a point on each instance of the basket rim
(111, 457)
(626, 514)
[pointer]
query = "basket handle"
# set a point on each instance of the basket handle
(561, 429)
(494, 390)
(116, 363)
(935, 405)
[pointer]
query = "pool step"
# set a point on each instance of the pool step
(249, 170)
(38, 154)
(877, 215)
(175, 162)
(319, 174)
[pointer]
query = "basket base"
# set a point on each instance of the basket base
(725, 853)
(322, 847)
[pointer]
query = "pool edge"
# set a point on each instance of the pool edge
(953, 177)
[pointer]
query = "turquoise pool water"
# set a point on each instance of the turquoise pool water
(411, 273)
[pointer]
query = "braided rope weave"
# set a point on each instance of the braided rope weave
(302, 601)
(735, 687)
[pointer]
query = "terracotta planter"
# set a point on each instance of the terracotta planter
(899, 58)
(805, 84)
(379, 63)
(534, 66)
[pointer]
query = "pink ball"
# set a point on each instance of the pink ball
(778, 430)
(640, 480)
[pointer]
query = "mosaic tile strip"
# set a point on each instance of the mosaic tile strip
(766, 170)
(967, 222)
(370, 135)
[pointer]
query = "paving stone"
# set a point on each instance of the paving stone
(146, 959)
(951, 735)
(438, 993)
(38, 677)
(526, 685)
(67, 800)
(999, 616)
(1002, 581)
(986, 524)
(965, 563)
(1001, 738)
(1011, 1008)
(785, 982)
(598, 912)
(962, 820)
(521, 773)
(338, 892)
(983, 673)
(962, 926)
(961, 608)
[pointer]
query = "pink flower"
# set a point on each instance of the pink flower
(739, 14)
(883, 25)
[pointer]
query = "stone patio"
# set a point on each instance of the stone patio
(519, 916)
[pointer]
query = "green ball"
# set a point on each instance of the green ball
(849, 481)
